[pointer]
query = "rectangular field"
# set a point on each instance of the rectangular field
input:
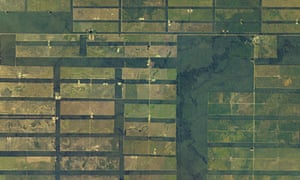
(280, 3)
(149, 163)
(26, 126)
(87, 126)
(26, 89)
(91, 91)
(150, 129)
(97, 26)
(149, 147)
(192, 3)
(143, 73)
(27, 107)
(89, 144)
(95, 14)
(143, 27)
(27, 144)
(49, 5)
(43, 163)
(155, 110)
(38, 72)
(87, 107)
(12, 5)
(87, 73)
(89, 163)
(96, 3)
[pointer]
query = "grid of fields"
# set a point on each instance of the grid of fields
(113, 121)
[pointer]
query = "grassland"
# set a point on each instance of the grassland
(87, 126)
(87, 73)
(205, 3)
(156, 110)
(49, 5)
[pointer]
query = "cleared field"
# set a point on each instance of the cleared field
(46, 37)
(156, 177)
(149, 37)
(95, 14)
(154, 51)
(229, 125)
(27, 144)
(237, 15)
(35, 177)
(155, 91)
(145, 13)
(280, 15)
(27, 107)
(280, 28)
(86, 73)
(49, 5)
(265, 46)
(88, 144)
(196, 15)
(47, 51)
(26, 72)
(274, 76)
(280, 104)
(192, 3)
(155, 73)
(190, 27)
(97, 26)
(89, 177)
(87, 107)
(230, 109)
(105, 51)
(26, 89)
(237, 3)
(144, 3)
(149, 147)
(230, 136)
(283, 159)
(230, 177)
(150, 129)
(87, 126)
(229, 97)
(280, 3)
(149, 163)
(24, 163)
(12, 5)
(277, 131)
(96, 3)
(82, 90)
(156, 110)
(143, 27)
(27, 126)
(89, 163)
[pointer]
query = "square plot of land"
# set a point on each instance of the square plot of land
(265, 46)
(87, 108)
(95, 14)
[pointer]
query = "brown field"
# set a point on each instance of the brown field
(280, 3)
(26, 72)
(150, 177)
(46, 37)
(265, 46)
(48, 5)
(280, 28)
(97, 26)
(26, 90)
(149, 163)
(154, 51)
(27, 107)
(95, 14)
(190, 27)
(89, 163)
(86, 73)
(87, 126)
(87, 107)
(143, 73)
(152, 129)
(12, 5)
(89, 177)
(68, 90)
(267, 70)
(143, 27)
(27, 126)
(96, 2)
(88, 144)
(45, 51)
(34, 159)
(27, 144)
(149, 147)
